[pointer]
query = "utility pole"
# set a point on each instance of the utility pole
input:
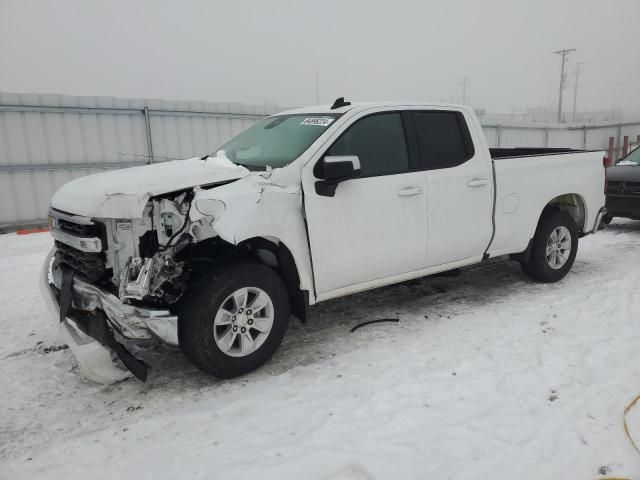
(577, 71)
(465, 81)
(565, 53)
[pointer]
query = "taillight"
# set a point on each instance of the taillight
(605, 164)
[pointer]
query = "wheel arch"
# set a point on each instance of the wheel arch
(216, 252)
(571, 203)
(274, 253)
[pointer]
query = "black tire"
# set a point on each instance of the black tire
(199, 306)
(538, 267)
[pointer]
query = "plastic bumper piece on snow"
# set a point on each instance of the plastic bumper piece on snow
(89, 337)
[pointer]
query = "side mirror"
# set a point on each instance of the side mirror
(336, 169)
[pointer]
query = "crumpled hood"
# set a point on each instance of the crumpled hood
(124, 193)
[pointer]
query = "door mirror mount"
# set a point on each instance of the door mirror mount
(336, 169)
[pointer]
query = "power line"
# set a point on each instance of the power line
(563, 78)
(464, 83)
(577, 71)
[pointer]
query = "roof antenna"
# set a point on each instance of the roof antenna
(339, 103)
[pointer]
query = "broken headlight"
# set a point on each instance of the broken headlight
(210, 207)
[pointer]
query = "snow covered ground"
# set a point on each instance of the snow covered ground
(486, 375)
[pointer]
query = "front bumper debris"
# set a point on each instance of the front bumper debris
(90, 333)
(94, 360)
(88, 244)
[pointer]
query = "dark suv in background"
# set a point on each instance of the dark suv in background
(623, 188)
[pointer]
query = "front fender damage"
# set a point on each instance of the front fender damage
(267, 205)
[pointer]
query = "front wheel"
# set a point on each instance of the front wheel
(554, 249)
(234, 319)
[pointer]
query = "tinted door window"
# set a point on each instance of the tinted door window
(379, 141)
(443, 139)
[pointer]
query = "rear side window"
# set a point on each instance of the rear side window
(378, 141)
(443, 139)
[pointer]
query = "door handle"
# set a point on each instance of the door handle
(409, 191)
(477, 182)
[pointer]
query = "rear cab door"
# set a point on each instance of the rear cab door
(459, 178)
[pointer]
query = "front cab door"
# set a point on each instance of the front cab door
(374, 226)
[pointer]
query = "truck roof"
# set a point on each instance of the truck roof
(366, 105)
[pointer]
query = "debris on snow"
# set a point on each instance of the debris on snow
(604, 470)
(370, 322)
(44, 349)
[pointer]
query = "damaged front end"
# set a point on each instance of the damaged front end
(110, 278)
(113, 278)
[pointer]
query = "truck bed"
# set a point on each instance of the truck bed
(523, 186)
(497, 153)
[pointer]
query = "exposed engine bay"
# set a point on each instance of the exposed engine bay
(146, 267)
(138, 258)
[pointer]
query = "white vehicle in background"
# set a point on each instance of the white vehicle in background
(214, 254)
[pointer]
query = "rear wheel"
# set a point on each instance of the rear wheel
(554, 248)
(233, 320)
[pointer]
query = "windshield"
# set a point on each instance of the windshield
(633, 157)
(276, 141)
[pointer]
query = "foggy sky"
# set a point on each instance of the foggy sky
(268, 50)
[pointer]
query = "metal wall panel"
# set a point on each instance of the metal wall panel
(598, 138)
(48, 140)
(559, 138)
(632, 131)
(491, 134)
(520, 137)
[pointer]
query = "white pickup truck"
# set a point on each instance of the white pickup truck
(213, 254)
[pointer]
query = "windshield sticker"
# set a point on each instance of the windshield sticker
(317, 121)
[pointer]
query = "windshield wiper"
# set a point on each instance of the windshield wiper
(253, 168)
(248, 166)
